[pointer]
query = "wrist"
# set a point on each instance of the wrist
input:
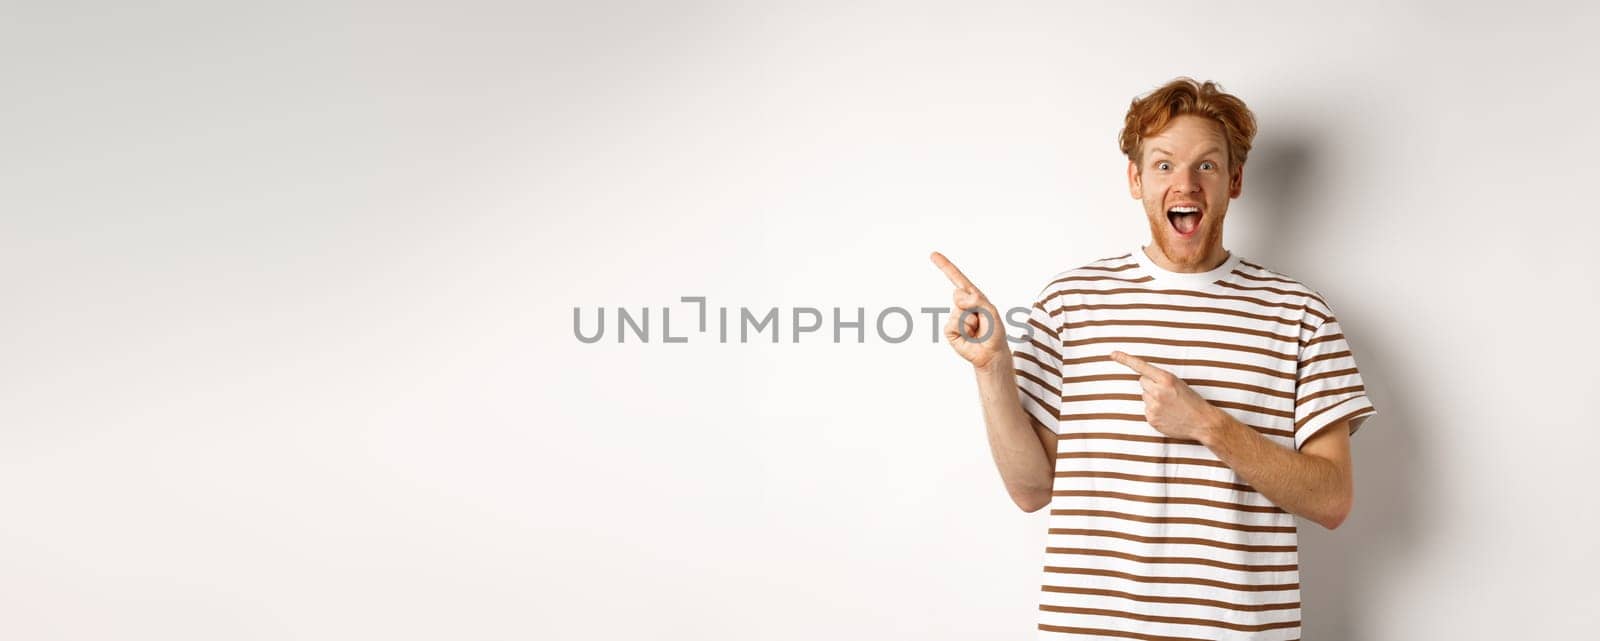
(1216, 423)
(1000, 364)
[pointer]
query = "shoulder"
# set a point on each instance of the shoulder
(1256, 279)
(1101, 272)
(1117, 267)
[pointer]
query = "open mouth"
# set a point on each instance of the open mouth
(1185, 219)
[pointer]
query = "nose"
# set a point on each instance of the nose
(1187, 182)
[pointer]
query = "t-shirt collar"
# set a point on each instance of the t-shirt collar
(1185, 279)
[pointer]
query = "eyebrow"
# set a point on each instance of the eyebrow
(1207, 151)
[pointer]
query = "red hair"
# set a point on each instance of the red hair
(1150, 114)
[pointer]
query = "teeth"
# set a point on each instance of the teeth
(1185, 210)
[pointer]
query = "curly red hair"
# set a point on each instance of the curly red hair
(1151, 113)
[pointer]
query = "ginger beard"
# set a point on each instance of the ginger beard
(1201, 249)
(1185, 181)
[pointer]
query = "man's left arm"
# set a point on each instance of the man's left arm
(1315, 483)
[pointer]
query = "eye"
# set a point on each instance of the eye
(1208, 165)
(1163, 165)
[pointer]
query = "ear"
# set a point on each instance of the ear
(1236, 183)
(1135, 181)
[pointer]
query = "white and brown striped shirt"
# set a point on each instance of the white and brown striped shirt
(1152, 537)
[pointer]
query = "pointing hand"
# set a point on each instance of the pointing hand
(978, 337)
(1170, 405)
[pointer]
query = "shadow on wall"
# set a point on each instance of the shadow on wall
(1341, 569)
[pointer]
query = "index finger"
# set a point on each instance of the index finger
(1137, 364)
(951, 272)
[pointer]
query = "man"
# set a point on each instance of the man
(1175, 406)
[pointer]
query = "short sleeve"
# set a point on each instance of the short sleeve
(1037, 356)
(1329, 387)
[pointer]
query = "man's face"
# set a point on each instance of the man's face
(1184, 181)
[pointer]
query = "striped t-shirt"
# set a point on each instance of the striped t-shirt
(1152, 537)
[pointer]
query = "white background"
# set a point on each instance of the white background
(288, 289)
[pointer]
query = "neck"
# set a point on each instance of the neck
(1213, 258)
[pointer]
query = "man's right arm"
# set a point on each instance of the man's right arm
(1024, 450)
